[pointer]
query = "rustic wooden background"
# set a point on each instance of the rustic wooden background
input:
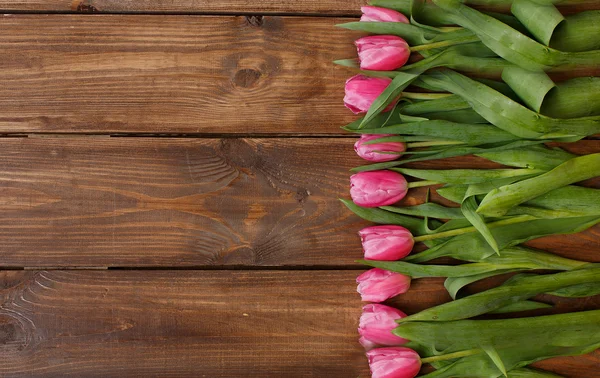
(169, 175)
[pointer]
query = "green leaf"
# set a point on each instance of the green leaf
(472, 134)
(454, 284)
(393, 90)
(577, 97)
(454, 193)
(380, 120)
(530, 86)
(531, 373)
(531, 156)
(513, 45)
(578, 32)
(414, 225)
(464, 270)
(484, 302)
(453, 336)
(473, 247)
(468, 208)
(527, 256)
(495, 357)
(578, 291)
(521, 306)
(532, 257)
(513, 357)
(539, 19)
(466, 176)
(505, 113)
(430, 14)
(430, 209)
(568, 201)
(444, 153)
(413, 34)
(350, 63)
(499, 201)
(434, 16)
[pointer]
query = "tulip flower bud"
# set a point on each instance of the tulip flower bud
(376, 324)
(396, 362)
(386, 243)
(378, 14)
(378, 285)
(377, 151)
(377, 188)
(362, 90)
(382, 52)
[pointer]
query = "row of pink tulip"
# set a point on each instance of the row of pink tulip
(378, 53)
(387, 359)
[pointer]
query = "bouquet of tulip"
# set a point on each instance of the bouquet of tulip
(492, 211)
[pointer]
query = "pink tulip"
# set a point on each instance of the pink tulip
(376, 324)
(382, 52)
(377, 151)
(377, 188)
(378, 14)
(396, 362)
(362, 90)
(386, 243)
(378, 285)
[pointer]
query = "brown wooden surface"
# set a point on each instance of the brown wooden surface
(172, 74)
(194, 202)
(195, 323)
(232, 212)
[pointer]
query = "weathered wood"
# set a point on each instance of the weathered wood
(172, 74)
(328, 7)
(195, 323)
(194, 202)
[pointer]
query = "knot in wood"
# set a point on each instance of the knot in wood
(84, 6)
(255, 20)
(246, 77)
(13, 338)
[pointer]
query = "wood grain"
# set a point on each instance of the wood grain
(172, 74)
(179, 324)
(195, 323)
(175, 202)
(193, 202)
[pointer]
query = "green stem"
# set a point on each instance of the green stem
(447, 29)
(418, 184)
(465, 230)
(425, 96)
(451, 356)
(449, 42)
(433, 143)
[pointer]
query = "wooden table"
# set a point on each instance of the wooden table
(169, 175)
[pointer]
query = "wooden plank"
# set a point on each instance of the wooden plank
(195, 323)
(194, 202)
(172, 74)
(328, 7)
(175, 202)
